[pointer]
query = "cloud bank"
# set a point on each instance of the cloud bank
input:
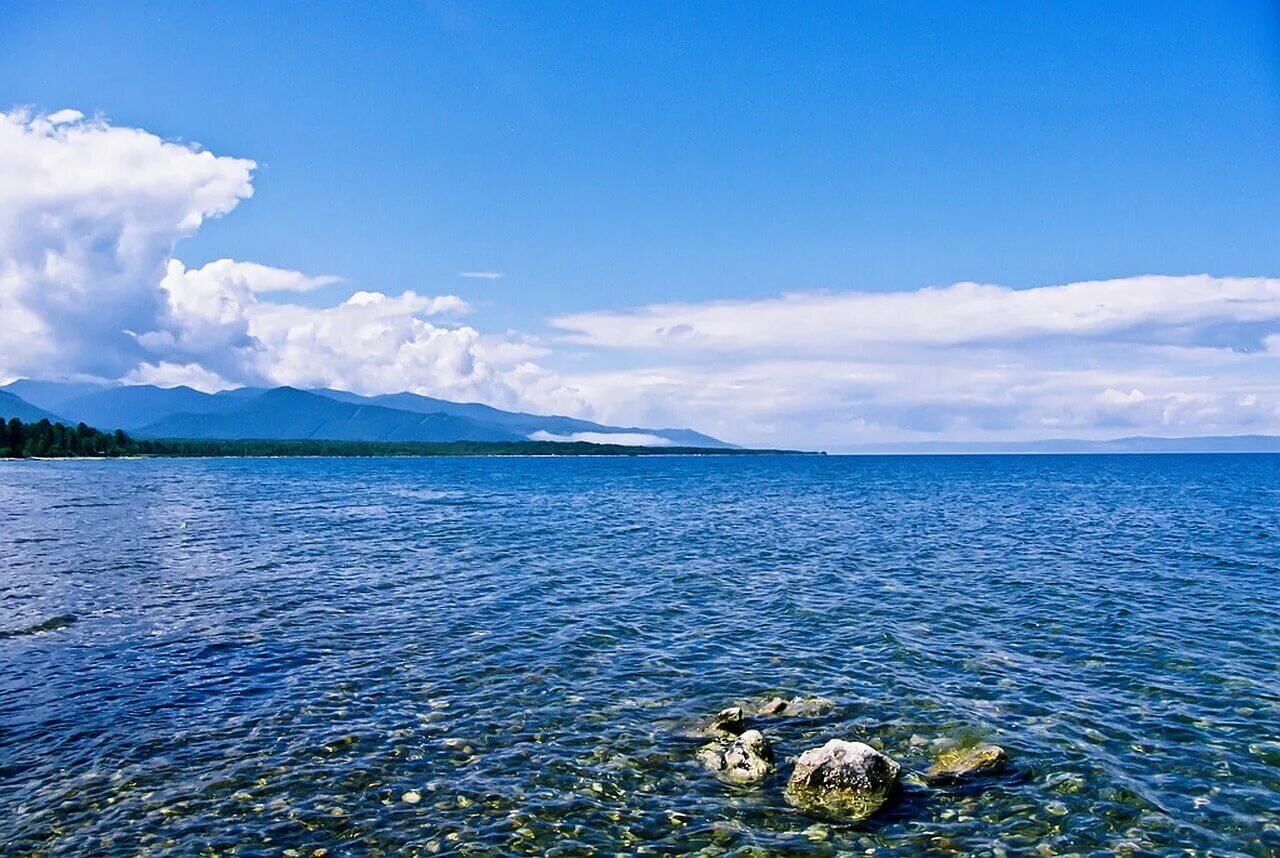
(92, 216)
(1156, 309)
(1150, 355)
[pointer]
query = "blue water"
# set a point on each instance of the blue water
(262, 657)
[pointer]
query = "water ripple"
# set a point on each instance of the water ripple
(266, 656)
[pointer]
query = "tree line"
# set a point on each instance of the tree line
(45, 439)
(20, 440)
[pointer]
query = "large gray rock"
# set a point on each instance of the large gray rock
(956, 764)
(850, 780)
(747, 759)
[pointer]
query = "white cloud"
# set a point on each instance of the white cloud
(481, 275)
(62, 117)
(1159, 308)
(164, 374)
(371, 342)
(832, 403)
(1143, 355)
(630, 439)
(257, 278)
(89, 215)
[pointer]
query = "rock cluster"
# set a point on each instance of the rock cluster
(846, 779)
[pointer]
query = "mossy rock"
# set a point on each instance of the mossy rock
(747, 759)
(959, 763)
(846, 780)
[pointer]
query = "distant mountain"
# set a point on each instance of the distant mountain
(526, 424)
(12, 406)
(1134, 444)
(290, 414)
(135, 406)
(50, 395)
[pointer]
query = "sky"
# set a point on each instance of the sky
(816, 225)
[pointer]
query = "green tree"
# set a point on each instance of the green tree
(17, 437)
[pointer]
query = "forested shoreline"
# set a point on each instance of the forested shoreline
(45, 439)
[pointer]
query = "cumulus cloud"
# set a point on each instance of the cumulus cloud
(89, 215)
(219, 319)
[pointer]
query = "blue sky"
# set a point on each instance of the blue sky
(605, 158)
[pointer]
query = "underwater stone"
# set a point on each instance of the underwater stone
(797, 707)
(957, 763)
(851, 780)
(808, 707)
(747, 759)
(774, 706)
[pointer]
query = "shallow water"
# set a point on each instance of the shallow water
(262, 657)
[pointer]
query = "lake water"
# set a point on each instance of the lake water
(262, 657)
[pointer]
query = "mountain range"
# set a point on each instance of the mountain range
(286, 413)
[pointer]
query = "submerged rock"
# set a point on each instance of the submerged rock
(851, 780)
(957, 763)
(747, 759)
(773, 706)
(808, 707)
(797, 707)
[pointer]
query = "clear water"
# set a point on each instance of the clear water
(262, 657)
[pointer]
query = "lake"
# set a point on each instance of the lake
(265, 657)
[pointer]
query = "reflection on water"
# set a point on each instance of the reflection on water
(504, 656)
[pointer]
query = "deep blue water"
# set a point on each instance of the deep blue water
(261, 657)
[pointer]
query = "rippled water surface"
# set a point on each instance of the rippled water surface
(263, 657)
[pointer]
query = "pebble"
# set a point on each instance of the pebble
(817, 833)
(411, 797)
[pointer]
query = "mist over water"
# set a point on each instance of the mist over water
(264, 657)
